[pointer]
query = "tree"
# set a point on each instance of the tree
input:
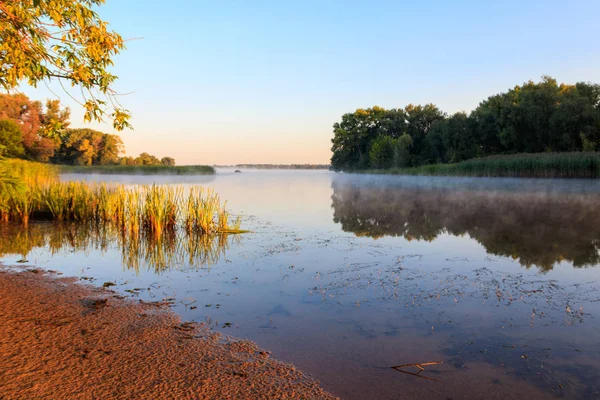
(43, 150)
(126, 161)
(420, 119)
(63, 40)
(19, 109)
(81, 146)
(11, 139)
(382, 151)
(147, 159)
(354, 135)
(168, 161)
(402, 153)
(459, 139)
(110, 149)
(54, 120)
(86, 153)
(532, 117)
(43, 129)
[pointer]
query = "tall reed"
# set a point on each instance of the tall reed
(532, 165)
(149, 210)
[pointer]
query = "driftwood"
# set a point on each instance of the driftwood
(399, 368)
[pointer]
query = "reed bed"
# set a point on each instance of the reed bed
(530, 165)
(139, 169)
(149, 210)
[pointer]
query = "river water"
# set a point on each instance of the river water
(494, 281)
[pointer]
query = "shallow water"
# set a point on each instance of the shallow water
(346, 276)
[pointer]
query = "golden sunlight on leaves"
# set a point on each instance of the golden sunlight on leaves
(63, 40)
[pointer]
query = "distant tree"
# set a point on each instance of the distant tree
(110, 149)
(86, 153)
(43, 149)
(43, 129)
(54, 120)
(402, 157)
(420, 119)
(126, 161)
(533, 117)
(19, 109)
(11, 139)
(353, 136)
(147, 159)
(81, 146)
(435, 141)
(63, 40)
(382, 151)
(459, 139)
(168, 161)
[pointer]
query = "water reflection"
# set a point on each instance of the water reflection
(536, 227)
(174, 250)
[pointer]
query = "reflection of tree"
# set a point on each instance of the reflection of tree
(536, 228)
(173, 250)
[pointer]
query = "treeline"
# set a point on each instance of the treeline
(531, 118)
(36, 132)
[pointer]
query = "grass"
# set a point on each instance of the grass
(148, 210)
(139, 170)
(531, 165)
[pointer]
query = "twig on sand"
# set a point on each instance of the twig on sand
(399, 368)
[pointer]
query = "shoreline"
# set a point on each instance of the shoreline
(63, 339)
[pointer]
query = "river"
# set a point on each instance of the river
(493, 281)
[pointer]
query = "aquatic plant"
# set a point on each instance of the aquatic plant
(538, 165)
(139, 169)
(151, 210)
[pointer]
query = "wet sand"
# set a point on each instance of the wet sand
(59, 339)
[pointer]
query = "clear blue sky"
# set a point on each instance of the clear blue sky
(263, 81)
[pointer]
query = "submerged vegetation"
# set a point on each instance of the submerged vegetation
(542, 117)
(149, 210)
(541, 165)
(140, 170)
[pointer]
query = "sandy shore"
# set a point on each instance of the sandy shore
(64, 340)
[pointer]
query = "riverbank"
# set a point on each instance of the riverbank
(59, 339)
(524, 165)
(139, 169)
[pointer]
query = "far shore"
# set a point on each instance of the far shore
(139, 169)
(61, 339)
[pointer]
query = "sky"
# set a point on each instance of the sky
(227, 82)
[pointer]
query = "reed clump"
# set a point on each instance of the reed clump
(139, 169)
(149, 210)
(530, 165)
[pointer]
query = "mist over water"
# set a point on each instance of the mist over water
(538, 222)
(349, 275)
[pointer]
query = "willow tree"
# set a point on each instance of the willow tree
(63, 40)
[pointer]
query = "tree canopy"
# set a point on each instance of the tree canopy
(39, 132)
(11, 139)
(62, 40)
(531, 118)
